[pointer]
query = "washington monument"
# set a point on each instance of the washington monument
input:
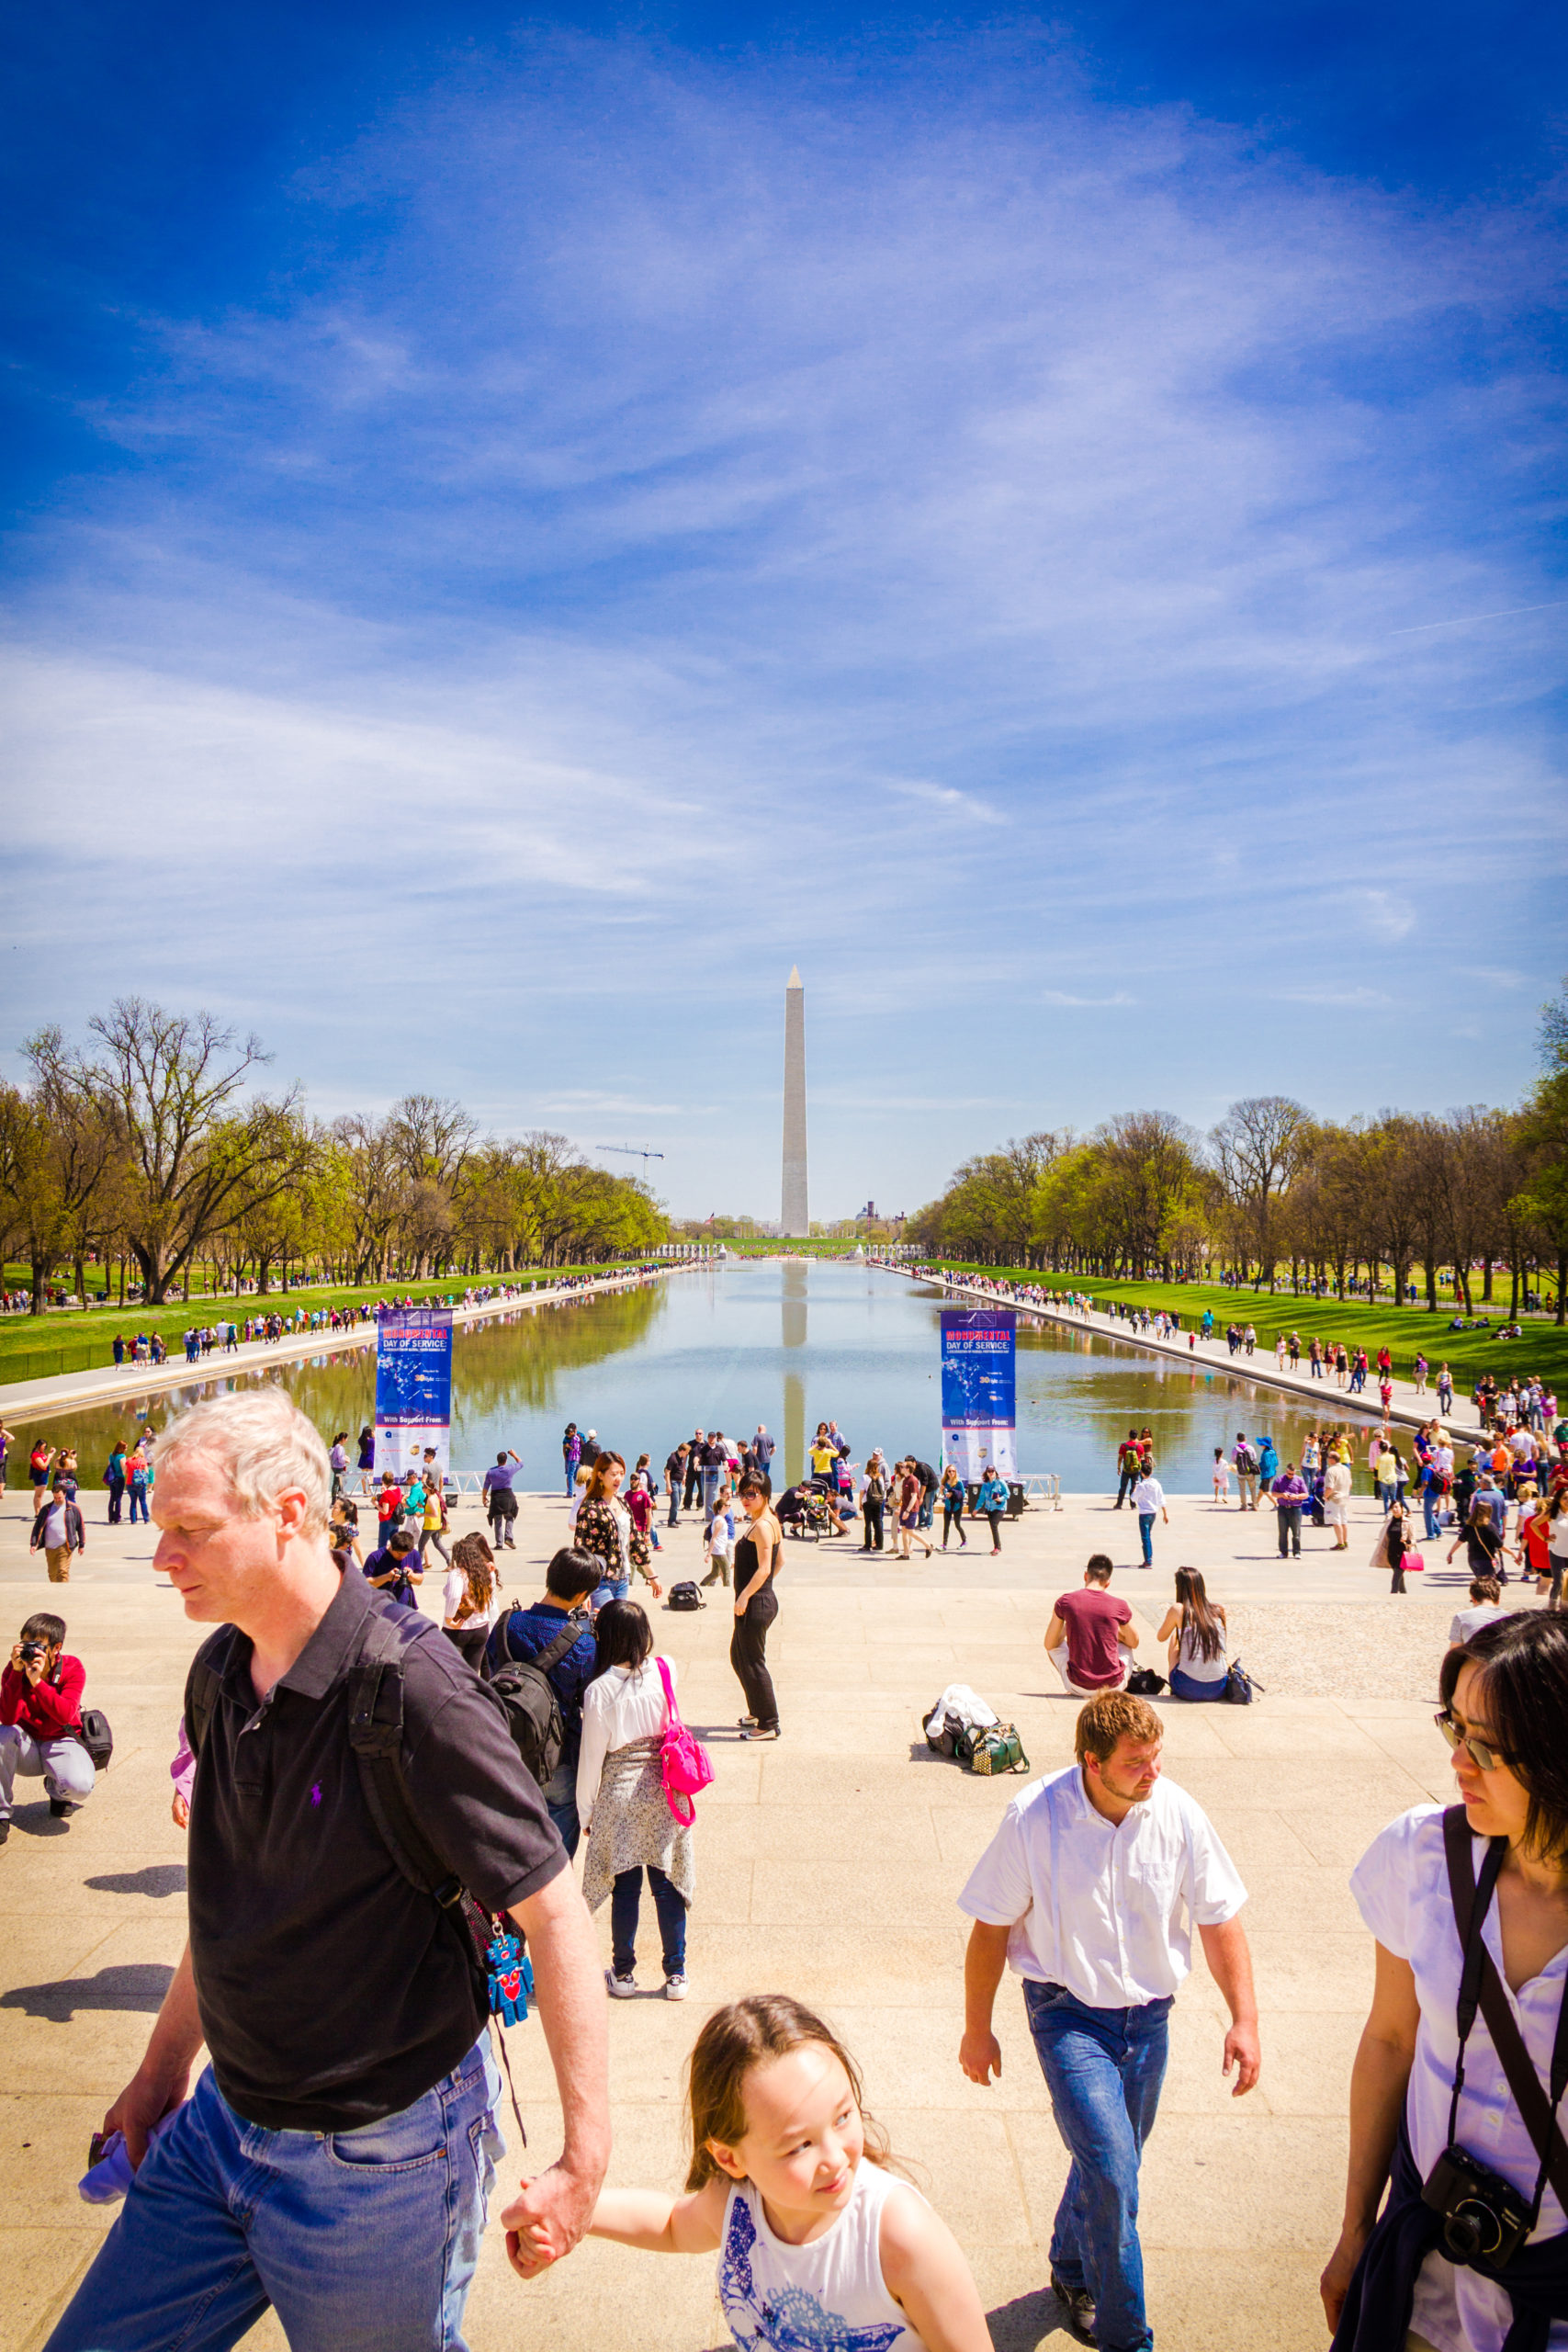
(794, 1217)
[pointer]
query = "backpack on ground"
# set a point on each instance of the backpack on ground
(533, 1711)
(685, 1595)
(954, 1739)
(1144, 1683)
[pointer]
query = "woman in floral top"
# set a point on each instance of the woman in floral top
(605, 1529)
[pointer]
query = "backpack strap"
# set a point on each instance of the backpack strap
(376, 1736)
(543, 1659)
(204, 1682)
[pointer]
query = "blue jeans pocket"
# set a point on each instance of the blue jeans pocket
(393, 2145)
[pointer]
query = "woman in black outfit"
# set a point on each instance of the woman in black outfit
(756, 1606)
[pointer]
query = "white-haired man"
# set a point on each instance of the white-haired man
(336, 2157)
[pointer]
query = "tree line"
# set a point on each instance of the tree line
(151, 1145)
(1271, 1188)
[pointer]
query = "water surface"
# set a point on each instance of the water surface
(779, 1341)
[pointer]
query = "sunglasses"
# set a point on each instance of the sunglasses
(1485, 1758)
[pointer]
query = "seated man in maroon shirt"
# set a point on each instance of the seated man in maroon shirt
(1091, 1637)
(40, 1719)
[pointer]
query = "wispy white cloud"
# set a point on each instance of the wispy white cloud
(1384, 913)
(713, 522)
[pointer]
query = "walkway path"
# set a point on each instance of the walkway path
(1333, 1402)
(69, 1389)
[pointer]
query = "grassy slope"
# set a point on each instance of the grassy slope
(85, 1338)
(1543, 1348)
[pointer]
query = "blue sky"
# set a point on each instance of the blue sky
(523, 529)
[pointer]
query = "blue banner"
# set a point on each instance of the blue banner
(979, 1390)
(413, 1388)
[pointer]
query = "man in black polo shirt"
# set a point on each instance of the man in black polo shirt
(336, 2157)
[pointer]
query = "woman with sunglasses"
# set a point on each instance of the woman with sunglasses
(1417, 2092)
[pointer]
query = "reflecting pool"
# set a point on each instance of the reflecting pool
(779, 1341)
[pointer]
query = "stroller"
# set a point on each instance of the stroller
(805, 1513)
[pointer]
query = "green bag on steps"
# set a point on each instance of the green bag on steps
(999, 1751)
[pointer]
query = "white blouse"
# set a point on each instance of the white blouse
(452, 1591)
(618, 1707)
(1401, 1886)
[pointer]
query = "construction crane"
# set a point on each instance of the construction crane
(629, 1151)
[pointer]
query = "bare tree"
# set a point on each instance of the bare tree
(1257, 1145)
(199, 1154)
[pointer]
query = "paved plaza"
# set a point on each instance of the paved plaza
(827, 1866)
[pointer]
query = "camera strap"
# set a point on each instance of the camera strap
(1481, 1987)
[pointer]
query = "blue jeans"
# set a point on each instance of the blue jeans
(570, 1480)
(1429, 1513)
(674, 1500)
(139, 1495)
(560, 1803)
(626, 1901)
(225, 2218)
(1103, 2068)
(117, 1499)
(1188, 1687)
(1146, 1536)
(710, 1492)
(608, 1589)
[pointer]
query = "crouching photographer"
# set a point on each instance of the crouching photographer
(1465, 2058)
(40, 1719)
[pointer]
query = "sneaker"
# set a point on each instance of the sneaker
(675, 1986)
(62, 1808)
(1078, 2305)
(620, 1988)
(762, 1731)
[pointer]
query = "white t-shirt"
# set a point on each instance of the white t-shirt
(1401, 1887)
(1148, 1495)
(1105, 1910)
(1481, 1613)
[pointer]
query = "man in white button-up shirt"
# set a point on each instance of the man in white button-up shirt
(1091, 1888)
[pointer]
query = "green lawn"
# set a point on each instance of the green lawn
(35, 1347)
(1543, 1348)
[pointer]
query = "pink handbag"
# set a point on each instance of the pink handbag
(685, 1759)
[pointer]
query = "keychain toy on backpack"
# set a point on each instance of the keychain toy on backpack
(510, 1976)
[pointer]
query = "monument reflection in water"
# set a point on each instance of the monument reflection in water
(778, 1341)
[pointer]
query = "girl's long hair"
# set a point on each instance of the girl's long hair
(622, 1637)
(737, 2037)
(474, 1560)
(1197, 1618)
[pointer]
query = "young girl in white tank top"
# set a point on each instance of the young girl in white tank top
(819, 2248)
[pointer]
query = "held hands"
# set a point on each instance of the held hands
(980, 2056)
(1245, 2053)
(547, 2219)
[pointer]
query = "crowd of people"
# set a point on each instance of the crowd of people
(535, 1730)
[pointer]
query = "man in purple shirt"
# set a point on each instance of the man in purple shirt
(1290, 1493)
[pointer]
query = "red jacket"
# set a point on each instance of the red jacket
(49, 1708)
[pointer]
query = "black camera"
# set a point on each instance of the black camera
(30, 1652)
(1485, 2217)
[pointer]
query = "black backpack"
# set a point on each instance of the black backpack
(685, 1596)
(529, 1696)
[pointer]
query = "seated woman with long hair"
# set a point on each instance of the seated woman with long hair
(1195, 1628)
